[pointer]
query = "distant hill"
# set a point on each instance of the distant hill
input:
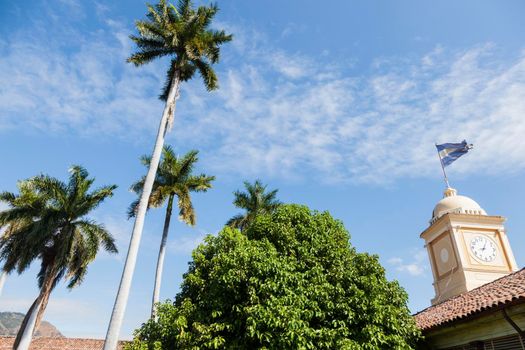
(10, 322)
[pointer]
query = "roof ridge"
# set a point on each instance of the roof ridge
(472, 290)
(476, 300)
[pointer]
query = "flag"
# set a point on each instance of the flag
(449, 152)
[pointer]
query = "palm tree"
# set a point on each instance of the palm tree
(174, 179)
(255, 201)
(47, 221)
(182, 33)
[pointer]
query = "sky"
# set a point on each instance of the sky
(337, 105)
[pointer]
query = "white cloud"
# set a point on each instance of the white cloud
(291, 66)
(87, 89)
(373, 128)
(414, 267)
(186, 244)
(293, 28)
(280, 114)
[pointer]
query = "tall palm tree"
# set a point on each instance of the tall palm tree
(174, 180)
(47, 221)
(182, 33)
(254, 201)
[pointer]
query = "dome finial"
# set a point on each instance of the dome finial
(449, 192)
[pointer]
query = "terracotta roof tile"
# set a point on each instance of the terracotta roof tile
(496, 293)
(47, 343)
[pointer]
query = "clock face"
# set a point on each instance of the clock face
(483, 248)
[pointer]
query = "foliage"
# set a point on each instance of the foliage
(291, 280)
(182, 33)
(255, 201)
(174, 178)
(47, 221)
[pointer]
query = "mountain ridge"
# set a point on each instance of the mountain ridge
(10, 323)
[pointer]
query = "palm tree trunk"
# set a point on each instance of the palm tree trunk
(25, 333)
(121, 300)
(34, 315)
(160, 260)
(42, 308)
(3, 277)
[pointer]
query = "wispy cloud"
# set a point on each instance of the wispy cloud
(281, 114)
(373, 128)
(184, 245)
(414, 266)
(86, 88)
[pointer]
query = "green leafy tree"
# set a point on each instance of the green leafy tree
(174, 179)
(47, 221)
(183, 34)
(290, 281)
(255, 201)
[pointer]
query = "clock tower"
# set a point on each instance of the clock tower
(467, 247)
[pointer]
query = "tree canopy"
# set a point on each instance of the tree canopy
(291, 280)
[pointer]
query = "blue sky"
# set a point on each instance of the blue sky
(336, 104)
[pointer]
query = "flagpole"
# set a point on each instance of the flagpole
(443, 168)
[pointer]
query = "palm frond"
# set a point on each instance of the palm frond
(183, 33)
(200, 183)
(145, 56)
(148, 44)
(255, 201)
(186, 163)
(137, 186)
(7, 197)
(97, 233)
(185, 8)
(186, 210)
(237, 221)
(208, 74)
(242, 200)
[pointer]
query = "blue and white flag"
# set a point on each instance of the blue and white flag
(449, 152)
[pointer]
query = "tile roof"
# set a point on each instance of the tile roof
(502, 291)
(48, 343)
